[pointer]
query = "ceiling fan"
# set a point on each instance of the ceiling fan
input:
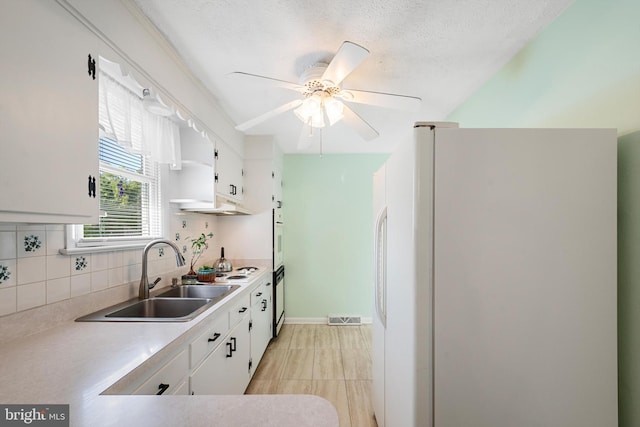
(321, 96)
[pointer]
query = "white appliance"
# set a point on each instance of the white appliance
(495, 301)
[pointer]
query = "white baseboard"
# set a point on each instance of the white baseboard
(316, 320)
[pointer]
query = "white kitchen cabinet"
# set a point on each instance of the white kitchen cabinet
(169, 379)
(210, 339)
(226, 369)
(48, 115)
(194, 183)
(261, 322)
(229, 173)
(212, 174)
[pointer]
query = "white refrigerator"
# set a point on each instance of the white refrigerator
(495, 281)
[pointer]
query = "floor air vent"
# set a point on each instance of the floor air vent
(344, 320)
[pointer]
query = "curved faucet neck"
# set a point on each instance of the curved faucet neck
(143, 291)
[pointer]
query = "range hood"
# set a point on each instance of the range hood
(219, 207)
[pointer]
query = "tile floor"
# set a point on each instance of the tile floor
(329, 361)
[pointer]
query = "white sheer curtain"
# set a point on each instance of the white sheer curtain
(123, 118)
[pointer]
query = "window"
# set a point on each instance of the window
(133, 142)
(129, 195)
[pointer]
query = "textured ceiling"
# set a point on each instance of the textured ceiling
(438, 50)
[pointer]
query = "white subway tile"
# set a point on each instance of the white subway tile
(99, 261)
(8, 245)
(99, 280)
(31, 295)
(80, 284)
(7, 273)
(58, 289)
(116, 276)
(80, 264)
(31, 243)
(31, 270)
(115, 259)
(58, 266)
(8, 300)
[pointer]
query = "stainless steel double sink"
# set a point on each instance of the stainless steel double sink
(179, 304)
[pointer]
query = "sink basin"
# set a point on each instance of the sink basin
(179, 304)
(162, 308)
(199, 291)
(152, 310)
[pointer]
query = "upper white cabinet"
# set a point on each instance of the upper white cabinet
(194, 183)
(211, 175)
(229, 173)
(48, 115)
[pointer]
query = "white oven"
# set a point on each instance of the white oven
(278, 302)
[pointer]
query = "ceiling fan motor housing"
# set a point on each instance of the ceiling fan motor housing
(311, 79)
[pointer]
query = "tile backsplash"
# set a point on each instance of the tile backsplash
(33, 273)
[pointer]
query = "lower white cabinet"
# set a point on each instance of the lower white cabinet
(169, 379)
(226, 369)
(222, 356)
(261, 322)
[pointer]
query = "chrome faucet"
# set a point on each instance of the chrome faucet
(143, 293)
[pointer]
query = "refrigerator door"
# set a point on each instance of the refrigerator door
(379, 286)
(525, 278)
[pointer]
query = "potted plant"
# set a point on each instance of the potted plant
(206, 273)
(198, 246)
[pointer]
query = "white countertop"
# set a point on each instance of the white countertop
(75, 362)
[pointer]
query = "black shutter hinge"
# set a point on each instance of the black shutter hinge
(91, 67)
(92, 186)
(215, 178)
(215, 153)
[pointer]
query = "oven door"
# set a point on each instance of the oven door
(278, 301)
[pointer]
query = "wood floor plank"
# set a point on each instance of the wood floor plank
(298, 365)
(284, 338)
(271, 365)
(356, 363)
(360, 407)
(304, 336)
(327, 364)
(335, 391)
(295, 387)
(327, 336)
(351, 337)
(262, 387)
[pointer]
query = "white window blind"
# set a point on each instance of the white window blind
(129, 195)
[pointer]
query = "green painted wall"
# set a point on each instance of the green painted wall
(584, 71)
(328, 243)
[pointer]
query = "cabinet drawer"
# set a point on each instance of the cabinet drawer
(258, 295)
(169, 378)
(210, 339)
(239, 311)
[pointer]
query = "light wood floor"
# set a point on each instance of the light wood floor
(333, 362)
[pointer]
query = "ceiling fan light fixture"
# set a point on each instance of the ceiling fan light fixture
(310, 109)
(334, 110)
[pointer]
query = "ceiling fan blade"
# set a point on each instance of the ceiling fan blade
(364, 129)
(269, 114)
(381, 99)
(348, 57)
(273, 82)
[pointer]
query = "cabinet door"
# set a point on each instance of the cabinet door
(48, 115)
(277, 193)
(213, 377)
(229, 172)
(261, 325)
(226, 370)
(169, 379)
